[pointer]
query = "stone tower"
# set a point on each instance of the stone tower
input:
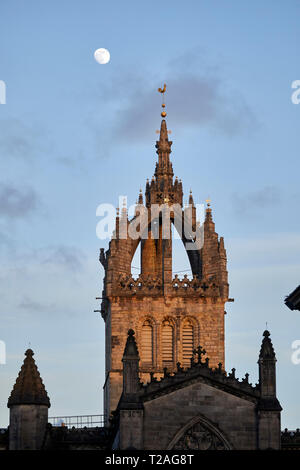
(28, 405)
(171, 316)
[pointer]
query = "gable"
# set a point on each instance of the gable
(166, 415)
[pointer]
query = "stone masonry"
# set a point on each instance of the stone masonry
(155, 296)
(199, 407)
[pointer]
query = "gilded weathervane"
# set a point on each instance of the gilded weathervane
(162, 91)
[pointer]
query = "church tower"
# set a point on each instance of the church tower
(170, 316)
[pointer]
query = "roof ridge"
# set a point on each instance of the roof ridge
(197, 369)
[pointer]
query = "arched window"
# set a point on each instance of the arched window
(147, 343)
(187, 342)
(167, 342)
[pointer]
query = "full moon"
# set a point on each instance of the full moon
(102, 56)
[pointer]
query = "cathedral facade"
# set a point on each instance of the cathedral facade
(166, 386)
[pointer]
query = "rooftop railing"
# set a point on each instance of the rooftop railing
(88, 421)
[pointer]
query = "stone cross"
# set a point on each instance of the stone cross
(200, 352)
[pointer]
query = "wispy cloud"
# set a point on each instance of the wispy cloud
(254, 201)
(17, 202)
(193, 101)
(17, 139)
(70, 257)
(56, 279)
(198, 96)
(31, 305)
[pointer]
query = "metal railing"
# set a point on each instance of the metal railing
(89, 421)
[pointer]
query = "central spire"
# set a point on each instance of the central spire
(163, 171)
(162, 189)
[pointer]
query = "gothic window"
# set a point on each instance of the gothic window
(200, 436)
(147, 342)
(167, 342)
(187, 343)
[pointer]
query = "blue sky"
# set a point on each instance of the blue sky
(74, 134)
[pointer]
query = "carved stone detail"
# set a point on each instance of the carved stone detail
(153, 285)
(200, 437)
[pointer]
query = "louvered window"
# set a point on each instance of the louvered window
(167, 342)
(187, 343)
(147, 343)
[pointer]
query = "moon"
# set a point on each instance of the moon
(102, 56)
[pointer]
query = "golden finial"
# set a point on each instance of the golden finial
(208, 201)
(162, 91)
